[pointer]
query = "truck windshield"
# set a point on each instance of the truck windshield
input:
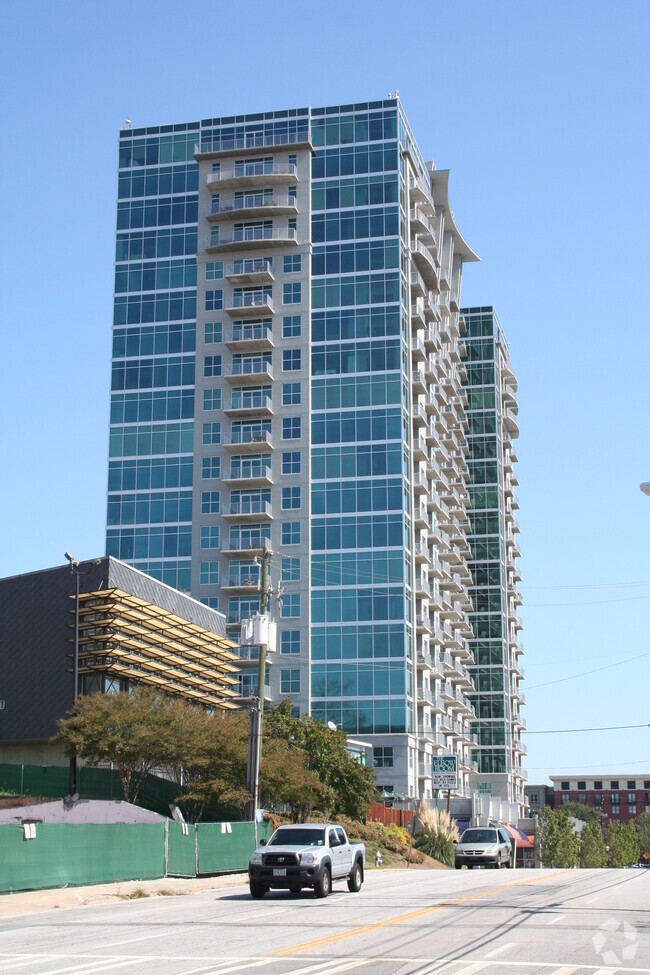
(479, 836)
(287, 836)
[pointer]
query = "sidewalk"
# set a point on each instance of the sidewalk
(31, 901)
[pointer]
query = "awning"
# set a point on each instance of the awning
(524, 842)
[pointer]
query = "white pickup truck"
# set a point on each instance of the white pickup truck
(306, 855)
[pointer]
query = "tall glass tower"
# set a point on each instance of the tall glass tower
(288, 374)
(496, 649)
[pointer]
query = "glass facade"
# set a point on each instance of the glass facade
(497, 698)
(287, 373)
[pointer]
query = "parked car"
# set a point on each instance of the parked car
(484, 846)
(306, 855)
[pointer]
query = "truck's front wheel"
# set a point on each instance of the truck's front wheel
(323, 887)
(257, 890)
(355, 879)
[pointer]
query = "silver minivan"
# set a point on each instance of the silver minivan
(484, 846)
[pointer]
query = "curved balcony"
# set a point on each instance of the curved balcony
(252, 174)
(250, 303)
(251, 238)
(249, 442)
(255, 206)
(256, 270)
(252, 143)
(248, 475)
(247, 509)
(240, 373)
(249, 336)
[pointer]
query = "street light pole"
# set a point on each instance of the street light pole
(74, 568)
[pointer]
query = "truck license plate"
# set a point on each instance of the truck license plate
(280, 872)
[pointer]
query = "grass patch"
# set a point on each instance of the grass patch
(135, 895)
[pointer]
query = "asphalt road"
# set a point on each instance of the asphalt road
(586, 922)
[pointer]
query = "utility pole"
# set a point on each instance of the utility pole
(264, 599)
(257, 713)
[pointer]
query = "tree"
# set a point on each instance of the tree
(207, 756)
(642, 824)
(285, 779)
(348, 786)
(558, 845)
(128, 730)
(587, 814)
(622, 841)
(592, 848)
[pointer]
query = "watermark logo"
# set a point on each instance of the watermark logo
(616, 942)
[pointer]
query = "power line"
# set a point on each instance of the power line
(572, 731)
(596, 585)
(588, 602)
(567, 768)
(584, 673)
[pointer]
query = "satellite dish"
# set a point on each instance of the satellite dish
(332, 726)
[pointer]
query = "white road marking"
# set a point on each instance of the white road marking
(566, 970)
(23, 959)
(470, 969)
(89, 968)
(592, 900)
(554, 920)
(238, 966)
(501, 949)
(128, 941)
(331, 967)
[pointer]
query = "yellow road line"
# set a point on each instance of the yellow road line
(401, 918)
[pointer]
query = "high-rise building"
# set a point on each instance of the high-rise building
(495, 647)
(288, 372)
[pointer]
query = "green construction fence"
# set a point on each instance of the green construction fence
(60, 854)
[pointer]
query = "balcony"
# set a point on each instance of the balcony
(249, 442)
(510, 421)
(418, 287)
(250, 303)
(422, 554)
(423, 224)
(419, 415)
(422, 588)
(417, 314)
(418, 351)
(241, 373)
(249, 546)
(248, 475)
(239, 582)
(252, 174)
(248, 208)
(420, 451)
(420, 192)
(423, 624)
(420, 483)
(426, 264)
(251, 271)
(247, 509)
(252, 143)
(253, 337)
(419, 383)
(420, 516)
(254, 407)
(250, 238)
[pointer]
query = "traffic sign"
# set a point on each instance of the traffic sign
(445, 772)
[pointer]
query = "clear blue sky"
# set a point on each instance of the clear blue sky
(540, 111)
